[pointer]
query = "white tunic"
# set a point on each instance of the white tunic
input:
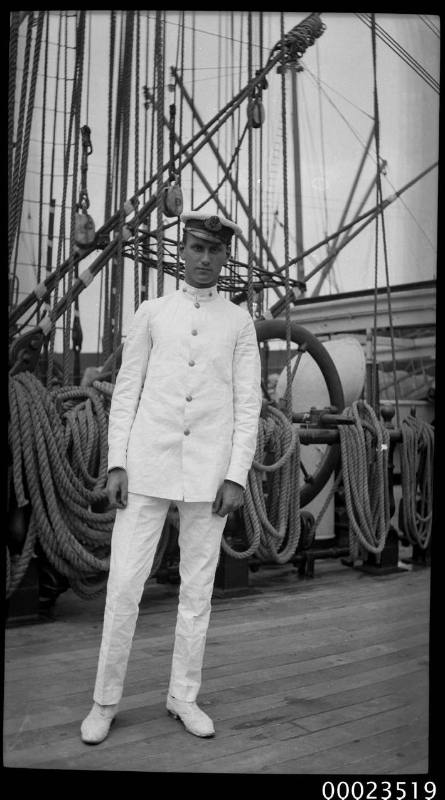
(185, 407)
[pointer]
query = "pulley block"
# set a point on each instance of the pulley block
(84, 230)
(172, 200)
(255, 113)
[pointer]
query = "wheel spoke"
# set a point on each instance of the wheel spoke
(307, 476)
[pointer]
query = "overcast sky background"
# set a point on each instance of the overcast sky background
(334, 122)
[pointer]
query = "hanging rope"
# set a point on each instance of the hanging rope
(181, 127)
(159, 56)
(46, 308)
(136, 156)
(250, 173)
(272, 514)
(68, 141)
(261, 193)
(106, 343)
(417, 470)
(73, 271)
(123, 137)
(364, 452)
(288, 393)
(120, 216)
(13, 52)
(42, 154)
(21, 161)
(16, 152)
(193, 47)
(379, 198)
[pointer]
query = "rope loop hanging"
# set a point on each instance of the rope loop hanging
(417, 470)
(364, 452)
(271, 508)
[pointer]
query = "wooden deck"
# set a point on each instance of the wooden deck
(321, 675)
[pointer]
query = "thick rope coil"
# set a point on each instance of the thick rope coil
(272, 526)
(417, 468)
(51, 468)
(364, 451)
(58, 444)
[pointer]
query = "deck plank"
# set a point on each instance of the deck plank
(299, 676)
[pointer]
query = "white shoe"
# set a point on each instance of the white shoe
(194, 720)
(96, 725)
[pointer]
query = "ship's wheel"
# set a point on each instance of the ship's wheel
(314, 479)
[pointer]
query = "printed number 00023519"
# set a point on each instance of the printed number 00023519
(379, 790)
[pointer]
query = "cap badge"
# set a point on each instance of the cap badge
(213, 224)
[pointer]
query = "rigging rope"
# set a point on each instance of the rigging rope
(73, 272)
(107, 346)
(67, 156)
(181, 125)
(399, 50)
(42, 153)
(159, 58)
(20, 172)
(192, 185)
(379, 200)
(13, 52)
(46, 308)
(249, 172)
(123, 143)
(136, 158)
(15, 166)
(288, 392)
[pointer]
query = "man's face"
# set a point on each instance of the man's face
(203, 260)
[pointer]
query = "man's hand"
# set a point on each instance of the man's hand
(228, 498)
(117, 488)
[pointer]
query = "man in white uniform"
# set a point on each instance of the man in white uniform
(183, 427)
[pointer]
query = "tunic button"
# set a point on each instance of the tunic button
(197, 305)
(186, 432)
(191, 363)
(188, 397)
(194, 332)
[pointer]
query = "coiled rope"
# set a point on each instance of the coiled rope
(272, 519)
(58, 448)
(58, 444)
(364, 453)
(416, 468)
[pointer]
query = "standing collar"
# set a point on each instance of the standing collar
(194, 293)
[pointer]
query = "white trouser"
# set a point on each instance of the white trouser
(136, 533)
